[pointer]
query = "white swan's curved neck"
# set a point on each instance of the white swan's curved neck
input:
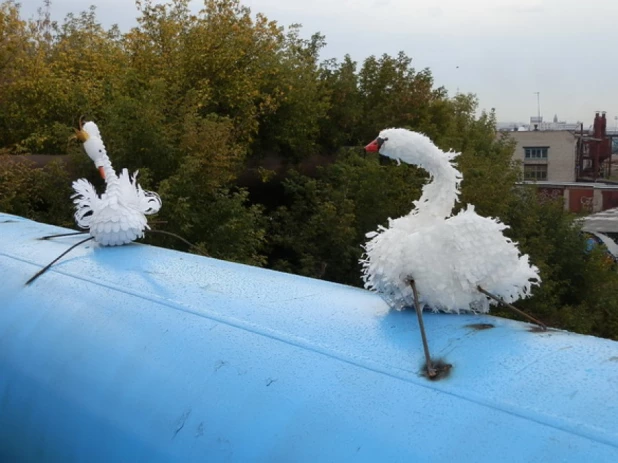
(442, 192)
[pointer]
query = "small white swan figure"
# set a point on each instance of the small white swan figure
(118, 216)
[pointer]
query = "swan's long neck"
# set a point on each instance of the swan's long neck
(111, 179)
(442, 192)
(95, 149)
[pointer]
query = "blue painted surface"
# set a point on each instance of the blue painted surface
(143, 354)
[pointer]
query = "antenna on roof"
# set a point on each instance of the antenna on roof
(538, 104)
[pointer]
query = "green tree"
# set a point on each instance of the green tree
(340, 85)
(199, 203)
(291, 130)
(40, 194)
(395, 94)
(321, 228)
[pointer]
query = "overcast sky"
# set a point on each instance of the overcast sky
(502, 50)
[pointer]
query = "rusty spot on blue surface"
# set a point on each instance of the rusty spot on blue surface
(442, 368)
(480, 326)
(539, 329)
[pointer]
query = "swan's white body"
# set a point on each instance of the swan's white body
(448, 257)
(118, 216)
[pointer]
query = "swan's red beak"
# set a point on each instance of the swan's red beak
(102, 172)
(373, 147)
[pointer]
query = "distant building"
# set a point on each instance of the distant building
(537, 124)
(546, 155)
(567, 162)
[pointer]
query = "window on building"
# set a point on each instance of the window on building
(535, 171)
(536, 152)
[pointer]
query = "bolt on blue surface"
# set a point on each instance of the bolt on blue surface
(140, 353)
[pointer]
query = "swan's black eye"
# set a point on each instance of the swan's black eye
(100, 151)
(381, 141)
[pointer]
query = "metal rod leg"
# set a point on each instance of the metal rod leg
(191, 245)
(44, 269)
(513, 308)
(48, 237)
(431, 372)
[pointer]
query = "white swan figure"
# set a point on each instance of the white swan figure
(118, 216)
(447, 257)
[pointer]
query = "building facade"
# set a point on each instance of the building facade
(546, 155)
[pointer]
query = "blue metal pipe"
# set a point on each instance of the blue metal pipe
(139, 353)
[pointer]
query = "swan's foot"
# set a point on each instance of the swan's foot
(432, 372)
(513, 308)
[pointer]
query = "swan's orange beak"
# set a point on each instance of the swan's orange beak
(373, 147)
(102, 172)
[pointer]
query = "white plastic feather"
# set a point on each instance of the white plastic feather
(447, 256)
(86, 200)
(118, 216)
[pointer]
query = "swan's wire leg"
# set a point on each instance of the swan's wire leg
(431, 372)
(44, 269)
(180, 238)
(513, 308)
(48, 237)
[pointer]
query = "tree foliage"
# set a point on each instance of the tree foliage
(39, 194)
(195, 99)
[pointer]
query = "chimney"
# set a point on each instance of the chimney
(597, 125)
